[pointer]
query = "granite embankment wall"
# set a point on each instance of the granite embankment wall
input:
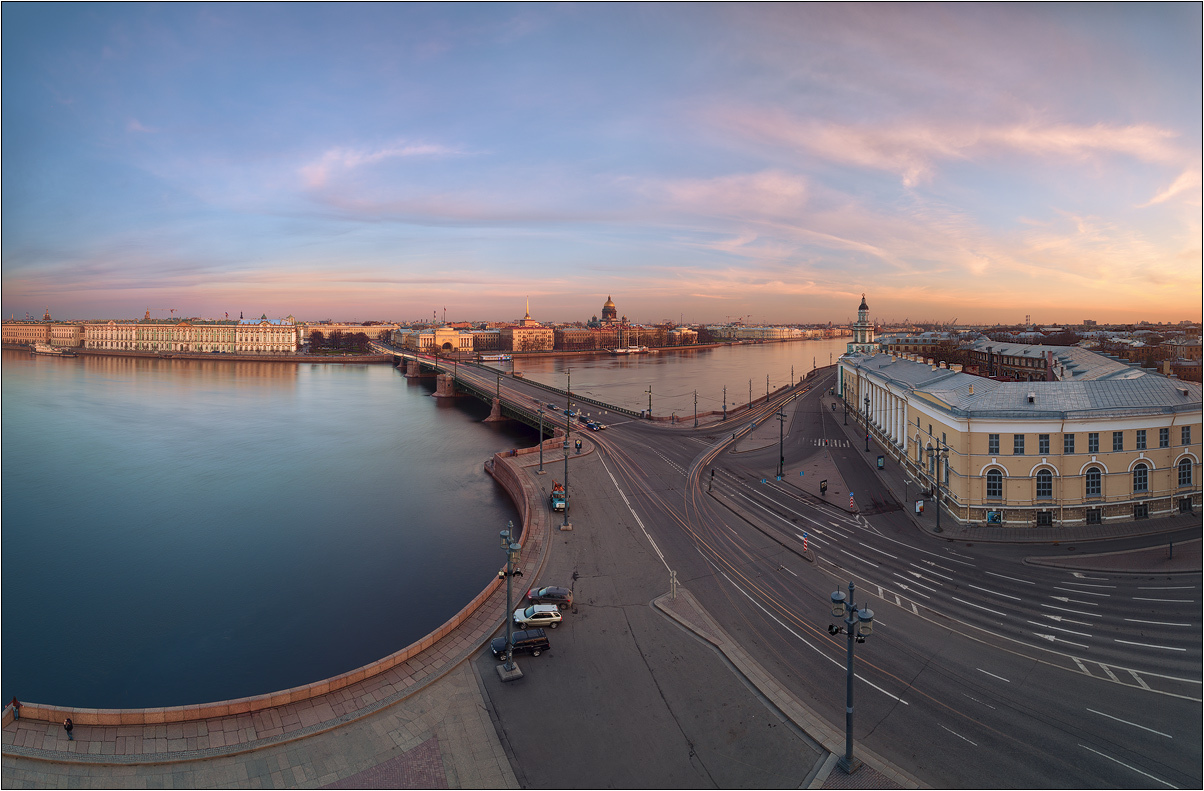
(224, 357)
(534, 520)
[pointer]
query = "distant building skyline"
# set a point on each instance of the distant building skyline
(706, 162)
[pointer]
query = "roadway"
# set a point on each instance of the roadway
(983, 670)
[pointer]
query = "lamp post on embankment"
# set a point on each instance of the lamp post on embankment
(508, 670)
(541, 470)
(858, 626)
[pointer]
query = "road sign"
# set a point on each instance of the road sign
(881, 461)
(804, 542)
(851, 506)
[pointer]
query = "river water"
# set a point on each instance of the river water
(180, 532)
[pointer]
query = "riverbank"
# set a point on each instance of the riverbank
(227, 357)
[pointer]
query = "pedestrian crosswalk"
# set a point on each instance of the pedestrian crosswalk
(830, 443)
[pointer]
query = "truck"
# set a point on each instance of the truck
(558, 498)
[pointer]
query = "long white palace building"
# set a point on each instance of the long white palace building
(253, 336)
(1099, 441)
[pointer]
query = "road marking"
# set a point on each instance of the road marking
(1013, 579)
(979, 702)
(1055, 639)
(986, 590)
(1179, 588)
(937, 573)
(913, 608)
(1059, 619)
(1125, 765)
(1139, 679)
(1076, 601)
(972, 604)
(643, 530)
(863, 560)
(1081, 593)
(1149, 645)
(1084, 667)
(1183, 601)
(1076, 612)
(1155, 623)
(880, 552)
(913, 582)
(1108, 670)
(958, 735)
(992, 675)
(1087, 585)
(1126, 722)
(1082, 576)
(1060, 629)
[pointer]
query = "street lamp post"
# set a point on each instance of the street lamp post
(511, 548)
(867, 424)
(781, 434)
(565, 526)
(858, 625)
(540, 411)
(937, 459)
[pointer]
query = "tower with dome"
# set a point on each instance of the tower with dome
(863, 332)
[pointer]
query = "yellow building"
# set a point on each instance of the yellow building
(26, 332)
(1103, 442)
(245, 336)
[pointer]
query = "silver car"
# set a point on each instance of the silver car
(538, 615)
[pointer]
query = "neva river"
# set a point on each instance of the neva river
(180, 532)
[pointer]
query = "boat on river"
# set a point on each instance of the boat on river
(501, 358)
(56, 351)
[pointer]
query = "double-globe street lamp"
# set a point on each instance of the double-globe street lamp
(858, 625)
(867, 424)
(568, 430)
(936, 463)
(512, 550)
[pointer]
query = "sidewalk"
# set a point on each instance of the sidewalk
(898, 483)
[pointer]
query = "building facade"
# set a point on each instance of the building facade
(863, 332)
(245, 336)
(1105, 442)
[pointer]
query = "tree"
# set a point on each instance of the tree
(358, 341)
(317, 339)
(337, 339)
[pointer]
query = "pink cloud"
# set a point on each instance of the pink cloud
(339, 159)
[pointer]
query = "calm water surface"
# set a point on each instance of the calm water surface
(180, 532)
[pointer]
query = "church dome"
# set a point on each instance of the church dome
(863, 306)
(609, 311)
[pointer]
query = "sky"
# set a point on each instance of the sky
(770, 162)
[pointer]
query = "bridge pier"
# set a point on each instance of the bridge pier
(414, 370)
(495, 414)
(445, 386)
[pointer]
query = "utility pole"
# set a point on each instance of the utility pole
(649, 391)
(725, 402)
(766, 387)
(858, 625)
(540, 440)
(781, 435)
(695, 408)
(750, 394)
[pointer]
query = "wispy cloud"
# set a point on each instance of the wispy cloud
(1188, 181)
(340, 159)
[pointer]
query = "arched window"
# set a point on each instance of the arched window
(1185, 472)
(931, 463)
(994, 483)
(1044, 484)
(1141, 478)
(1093, 482)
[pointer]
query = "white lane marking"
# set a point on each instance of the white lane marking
(1059, 629)
(1060, 618)
(805, 641)
(1149, 645)
(1179, 588)
(1156, 623)
(1125, 765)
(1087, 584)
(913, 582)
(1083, 576)
(958, 735)
(1013, 579)
(1068, 600)
(992, 675)
(643, 530)
(863, 560)
(1138, 679)
(1055, 639)
(979, 702)
(1108, 670)
(1081, 593)
(993, 593)
(1182, 601)
(1081, 666)
(1126, 722)
(980, 607)
(930, 571)
(1076, 612)
(880, 552)
(951, 552)
(913, 608)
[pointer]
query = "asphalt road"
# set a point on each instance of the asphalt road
(982, 671)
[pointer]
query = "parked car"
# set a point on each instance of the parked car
(537, 615)
(551, 594)
(532, 641)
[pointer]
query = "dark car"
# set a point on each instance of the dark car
(551, 594)
(531, 641)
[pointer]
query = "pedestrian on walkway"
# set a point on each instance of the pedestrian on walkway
(16, 704)
(578, 446)
(68, 725)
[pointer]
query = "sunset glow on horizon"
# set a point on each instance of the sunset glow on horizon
(702, 162)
